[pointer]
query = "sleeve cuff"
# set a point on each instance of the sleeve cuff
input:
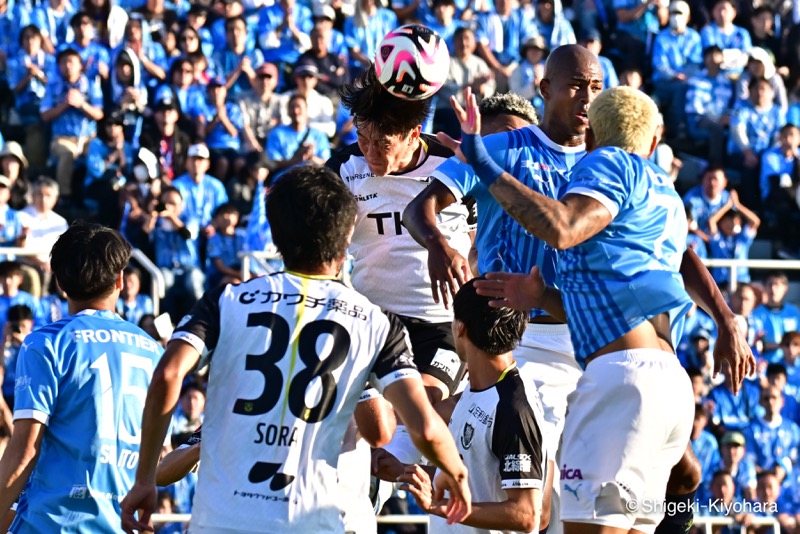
(449, 183)
(400, 374)
(32, 414)
(612, 208)
(191, 339)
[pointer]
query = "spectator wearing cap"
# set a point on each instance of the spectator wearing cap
(731, 232)
(331, 68)
(319, 107)
(223, 124)
(150, 54)
(734, 460)
(201, 193)
(734, 412)
(71, 104)
(52, 18)
(108, 165)
(637, 22)
(554, 27)
(364, 31)
(499, 35)
(444, 22)
(734, 41)
(324, 18)
(283, 30)
(235, 60)
(466, 70)
(760, 64)
(163, 138)
(677, 56)
(525, 79)
(297, 142)
(592, 41)
(14, 166)
(27, 77)
(44, 225)
(709, 98)
(772, 441)
(261, 108)
(95, 56)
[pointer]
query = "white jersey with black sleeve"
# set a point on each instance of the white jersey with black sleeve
(390, 267)
(498, 432)
(290, 356)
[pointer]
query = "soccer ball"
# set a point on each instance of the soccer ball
(412, 62)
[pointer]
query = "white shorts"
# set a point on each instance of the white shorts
(629, 422)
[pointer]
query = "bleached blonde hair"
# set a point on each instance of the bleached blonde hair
(624, 117)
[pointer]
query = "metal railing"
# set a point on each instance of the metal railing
(772, 265)
(158, 286)
(709, 522)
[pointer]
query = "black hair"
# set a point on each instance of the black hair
(78, 17)
(87, 259)
(755, 81)
(713, 168)
(193, 386)
(493, 330)
(766, 473)
(721, 473)
(776, 369)
(369, 102)
(461, 30)
(29, 28)
(711, 49)
(699, 410)
(788, 126)
(788, 337)
(19, 312)
(68, 51)
(780, 275)
(760, 10)
(132, 270)
(231, 20)
(311, 213)
(170, 189)
(224, 209)
(196, 56)
(177, 65)
(693, 372)
(10, 268)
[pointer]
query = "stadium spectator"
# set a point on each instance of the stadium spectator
(166, 505)
(732, 230)
(261, 108)
(53, 306)
(331, 68)
(201, 192)
(704, 443)
(592, 40)
(109, 162)
(13, 229)
(235, 61)
(525, 79)
(190, 413)
(298, 142)
(12, 18)
(637, 22)
(775, 317)
(76, 395)
(18, 325)
(163, 137)
(283, 30)
(44, 225)
(174, 240)
(790, 346)
(552, 25)
(14, 166)
(223, 265)
(364, 31)
(777, 377)
(443, 21)
(743, 301)
(709, 97)
(52, 18)
(319, 107)
(124, 91)
(222, 123)
(150, 54)
(761, 65)
(732, 450)
(191, 44)
(95, 56)
(132, 304)
(500, 34)
(708, 197)
(733, 412)
(677, 56)
(697, 239)
(774, 504)
(72, 105)
(762, 32)
(324, 17)
(771, 440)
(722, 490)
(229, 9)
(734, 41)
(779, 182)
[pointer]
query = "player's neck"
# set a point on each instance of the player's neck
(558, 134)
(102, 304)
(410, 161)
(484, 370)
(326, 270)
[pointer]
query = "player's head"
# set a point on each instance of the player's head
(572, 79)
(388, 127)
(312, 214)
(506, 112)
(626, 118)
(87, 261)
(494, 331)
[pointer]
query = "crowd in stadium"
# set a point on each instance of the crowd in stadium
(169, 120)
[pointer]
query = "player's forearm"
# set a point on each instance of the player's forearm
(177, 464)
(162, 397)
(703, 290)
(419, 217)
(506, 515)
(553, 304)
(432, 438)
(19, 460)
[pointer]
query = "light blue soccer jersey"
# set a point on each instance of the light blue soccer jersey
(85, 377)
(538, 163)
(629, 271)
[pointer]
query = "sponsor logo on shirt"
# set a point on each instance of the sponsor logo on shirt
(517, 463)
(573, 491)
(570, 474)
(364, 198)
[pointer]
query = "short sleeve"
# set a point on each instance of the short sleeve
(395, 360)
(457, 176)
(517, 441)
(603, 175)
(36, 387)
(213, 249)
(200, 328)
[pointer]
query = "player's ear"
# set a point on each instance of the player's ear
(119, 283)
(653, 145)
(544, 88)
(415, 133)
(459, 328)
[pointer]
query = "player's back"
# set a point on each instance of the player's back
(291, 355)
(85, 377)
(629, 271)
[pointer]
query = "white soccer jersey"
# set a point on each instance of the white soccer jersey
(290, 357)
(498, 432)
(390, 268)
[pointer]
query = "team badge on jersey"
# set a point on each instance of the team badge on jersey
(467, 435)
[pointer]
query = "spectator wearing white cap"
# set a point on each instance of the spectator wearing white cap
(324, 19)
(201, 193)
(761, 64)
(319, 107)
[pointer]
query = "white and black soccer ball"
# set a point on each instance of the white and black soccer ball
(412, 62)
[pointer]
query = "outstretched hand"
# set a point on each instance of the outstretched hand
(469, 118)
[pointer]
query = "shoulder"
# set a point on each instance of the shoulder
(435, 148)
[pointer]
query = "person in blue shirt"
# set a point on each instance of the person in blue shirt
(637, 23)
(53, 18)
(731, 232)
(196, 19)
(709, 97)
(18, 325)
(283, 30)
(86, 377)
(231, 9)
(704, 444)
(258, 232)
(734, 412)
(776, 317)
(13, 17)
(553, 26)
(790, 346)
(778, 376)
(734, 460)
(235, 61)
(12, 222)
(223, 265)
(151, 54)
(296, 143)
(223, 124)
(132, 304)
(500, 34)
(201, 192)
(733, 40)
(174, 237)
(10, 282)
(444, 22)
(592, 40)
(677, 56)
(72, 104)
(95, 56)
(697, 239)
(364, 31)
(772, 441)
(780, 170)
(708, 197)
